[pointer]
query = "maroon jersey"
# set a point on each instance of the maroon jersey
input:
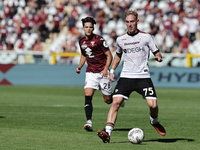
(94, 51)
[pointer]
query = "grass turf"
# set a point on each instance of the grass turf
(44, 118)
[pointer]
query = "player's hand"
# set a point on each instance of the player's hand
(112, 77)
(104, 73)
(78, 70)
(158, 58)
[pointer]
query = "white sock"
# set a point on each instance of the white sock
(109, 130)
(89, 122)
(153, 120)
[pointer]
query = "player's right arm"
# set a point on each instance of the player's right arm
(115, 63)
(81, 63)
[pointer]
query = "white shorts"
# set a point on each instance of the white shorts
(96, 81)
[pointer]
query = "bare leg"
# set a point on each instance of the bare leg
(153, 107)
(107, 99)
(89, 91)
(112, 114)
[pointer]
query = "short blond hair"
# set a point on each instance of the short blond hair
(131, 12)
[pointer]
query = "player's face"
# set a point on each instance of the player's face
(131, 24)
(88, 28)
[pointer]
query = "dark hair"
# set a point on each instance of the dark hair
(88, 19)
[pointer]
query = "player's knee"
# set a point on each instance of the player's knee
(116, 103)
(108, 100)
(152, 103)
(153, 107)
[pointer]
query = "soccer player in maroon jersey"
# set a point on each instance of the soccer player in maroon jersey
(96, 53)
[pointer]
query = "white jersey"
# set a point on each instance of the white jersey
(136, 50)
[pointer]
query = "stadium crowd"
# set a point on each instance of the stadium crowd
(175, 24)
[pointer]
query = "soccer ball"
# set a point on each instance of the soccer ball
(136, 135)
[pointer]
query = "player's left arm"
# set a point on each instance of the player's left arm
(154, 49)
(158, 56)
(104, 72)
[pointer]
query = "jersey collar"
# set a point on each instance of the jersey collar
(90, 37)
(134, 33)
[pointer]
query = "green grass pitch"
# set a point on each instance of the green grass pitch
(48, 118)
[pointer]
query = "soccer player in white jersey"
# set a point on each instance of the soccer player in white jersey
(135, 76)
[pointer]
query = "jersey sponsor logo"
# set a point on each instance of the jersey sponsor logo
(105, 44)
(83, 46)
(132, 43)
(92, 43)
(88, 51)
(134, 50)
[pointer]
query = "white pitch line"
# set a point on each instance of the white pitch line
(101, 106)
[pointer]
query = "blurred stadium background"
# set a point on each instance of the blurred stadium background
(46, 32)
(39, 53)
